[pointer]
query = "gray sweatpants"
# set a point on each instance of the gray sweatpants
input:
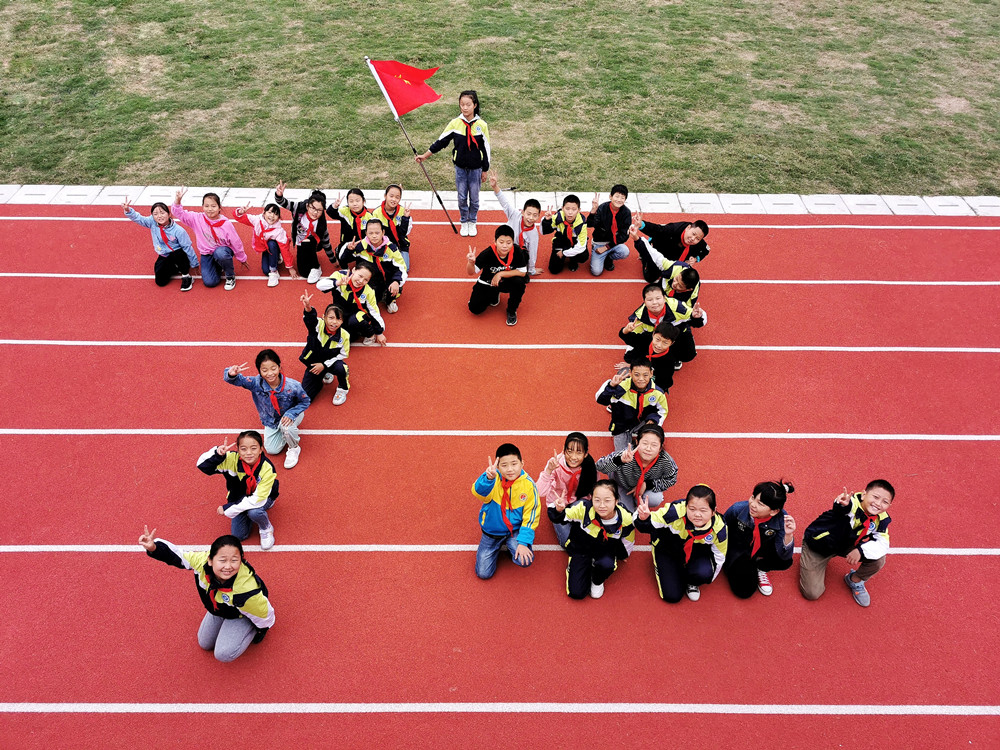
(228, 638)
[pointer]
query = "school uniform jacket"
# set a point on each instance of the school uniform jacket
(843, 528)
(322, 346)
(238, 498)
(244, 596)
(300, 226)
(262, 232)
(355, 304)
(662, 362)
(773, 550)
(591, 535)
(600, 220)
(352, 225)
(668, 241)
(178, 238)
(526, 238)
(571, 237)
(209, 237)
(521, 516)
(661, 476)
(397, 226)
(387, 259)
(675, 312)
(631, 407)
(470, 140)
(670, 270)
(669, 522)
(292, 400)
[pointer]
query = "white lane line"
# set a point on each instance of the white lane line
(754, 709)
(395, 548)
(514, 433)
(480, 347)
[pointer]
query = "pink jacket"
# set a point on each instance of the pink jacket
(262, 233)
(551, 486)
(203, 237)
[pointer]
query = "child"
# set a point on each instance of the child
(634, 400)
(569, 245)
(251, 484)
(656, 308)
(502, 267)
(352, 294)
(269, 239)
(390, 268)
(610, 222)
(659, 355)
(689, 543)
(239, 612)
(509, 515)
(523, 222)
(645, 470)
(571, 473)
(171, 243)
(326, 350)
(682, 241)
(353, 219)
(397, 221)
(857, 527)
(601, 533)
(470, 139)
(309, 230)
(280, 401)
(216, 238)
(761, 539)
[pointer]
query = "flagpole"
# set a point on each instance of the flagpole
(407, 136)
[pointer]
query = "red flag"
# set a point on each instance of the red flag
(404, 86)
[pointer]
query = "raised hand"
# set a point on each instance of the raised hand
(406, 210)
(306, 299)
(181, 192)
(146, 539)
(618, 377)
(336, 201)
(552, 463)
(596, 203)
(494, 182)
(471, 257)
(633, 231)
(491, 467)
(127, 205)
(843, 498)
(642, 508)
(630, 326)
(243, 210)
(561, 502)
(628, 454)
(279, 189)
(789, 527)
(696, 311)
(238, 369)
(637, 219)
(225, 447)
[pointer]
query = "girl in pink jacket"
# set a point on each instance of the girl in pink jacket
(269, 239)
(572, 473)
(216, 239)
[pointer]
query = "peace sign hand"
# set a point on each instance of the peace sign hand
(279, 189)
(596, 203)
(127, 205)
(633, 231)
(237, 369)
(696, 311)
(306, 299)
(179, 195)
(631, 326)
(146, 539)
(471, 257)
(242, 211)
(491, 468)
(225, 447)
(844, 498)
(628, 454)
(406, 210)
(618, 377)
(561, 502)
(642, 508)
(552, 463)
(637, 219)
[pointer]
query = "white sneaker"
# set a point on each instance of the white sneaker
(314, 276)
(292, 457)
(267, 538)
(230, 284)
(472, 229)
(678, 365)
(393, 307)
(339, 397)
(329, 378)
(693, 593)
(272, 278)
(596, 590)
(535, 272)
(764, 583)
(369, 341)
(464, 231)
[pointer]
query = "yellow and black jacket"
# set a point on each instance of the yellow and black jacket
(471, 141)
(238, 498)
(355, 304)
(591, 535)
(564, 229)
(671, 523)
(352, 225)
(322, 346)
(631, 407)
(845, 527)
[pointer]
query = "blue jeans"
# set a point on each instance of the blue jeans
(269, 259)
(601, 253)
(489, 551)
(467, 183)
(214, 266)
(240, 525)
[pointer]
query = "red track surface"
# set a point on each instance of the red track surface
(418, 626)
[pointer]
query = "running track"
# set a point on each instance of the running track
(402, 646)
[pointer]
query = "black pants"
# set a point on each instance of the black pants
(557, 263)
(381, 289)
(166, 267)
(583, 570)
(673, 574)
(742, 573)
(312, 384)
(484, 295)
(683, 349)
(307, 256)
(650, 271)
(360, 328)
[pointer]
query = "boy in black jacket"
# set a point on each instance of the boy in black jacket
(857, 527)
(610, 222)
(681, 241)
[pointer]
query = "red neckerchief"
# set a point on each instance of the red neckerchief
(274, 395)
(309, 229)
(213, 224)
(687, 248)
(354, 293)
(359, 230)
(569, 229)
(378, 258)
(869, 520)
(653, 354)
(505, 501)
(468, 133)
(392, 221)
(574, 479)
(639, 405)
(524, 229)
(656, 321)
(614, 223)
(596, 521)
(213, 590)
(251, 471)
(260, 235)
(163, 236)
(693, 536)
(756, 535)
(501, 261)
(642, 471)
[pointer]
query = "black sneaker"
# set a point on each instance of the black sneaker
(572, 265)
(512, 318)
(186, 283)
(609, 265)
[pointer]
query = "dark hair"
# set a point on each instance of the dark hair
(226, 540)
(158, 204)
(531, 203)
(702, 226)
(355, 191)
(668, 331)
(339, 313)
(391, 186)
(508, 449)
(690, 277)
(317, 195)
(588, 469)
(214, 197)
(571, 198)
(613, 486)
(503, 231)
(371, 222)
(619, 189)
(274, 207)
(882, 484)
(253, 435)
(649, 428)
(265, 355)
(364, 264)
(471, 93)
(773, 494)
(651, 288)
(703, 491)
(640, 362)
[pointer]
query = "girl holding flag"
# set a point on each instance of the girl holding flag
(171, 243)
(215, 237)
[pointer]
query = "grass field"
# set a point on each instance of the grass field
(672, 95)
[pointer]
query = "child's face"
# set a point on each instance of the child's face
(356, 202)
(570, 210)
(617, 200)
(699, 512)
(660, 343)
(875, 501)
(510, 467)
(504, 244)
(604, 502)
(760, 510)
(531, 215)
(374, 233)
(314, 210)
(641, 376)
(160, 216)
(270, 371)
(678, 285)
(655, 301)
(648, 447)
(271, 217)
(360, 277)
(574, 455)
(693, 235)
(211, 208)
(249, 450)
(332, 323)
(467, 106)
(392, 198)
(226, 562)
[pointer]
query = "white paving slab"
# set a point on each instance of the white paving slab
(741, 203)
(35, 194)
(419, 199)
(489, 202)
(659, 203)
(983, 205)
(866, 204)
(907, 205)
(783, 203)
(77, 195)
(450, 198)
(195, 194)
(700, 203)
(824, 204)
(239, 197)
(586, 199)
(7, 192)
(160, 193)
(115, 195)
(949, 205)
(293, 194)
(546, 199)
